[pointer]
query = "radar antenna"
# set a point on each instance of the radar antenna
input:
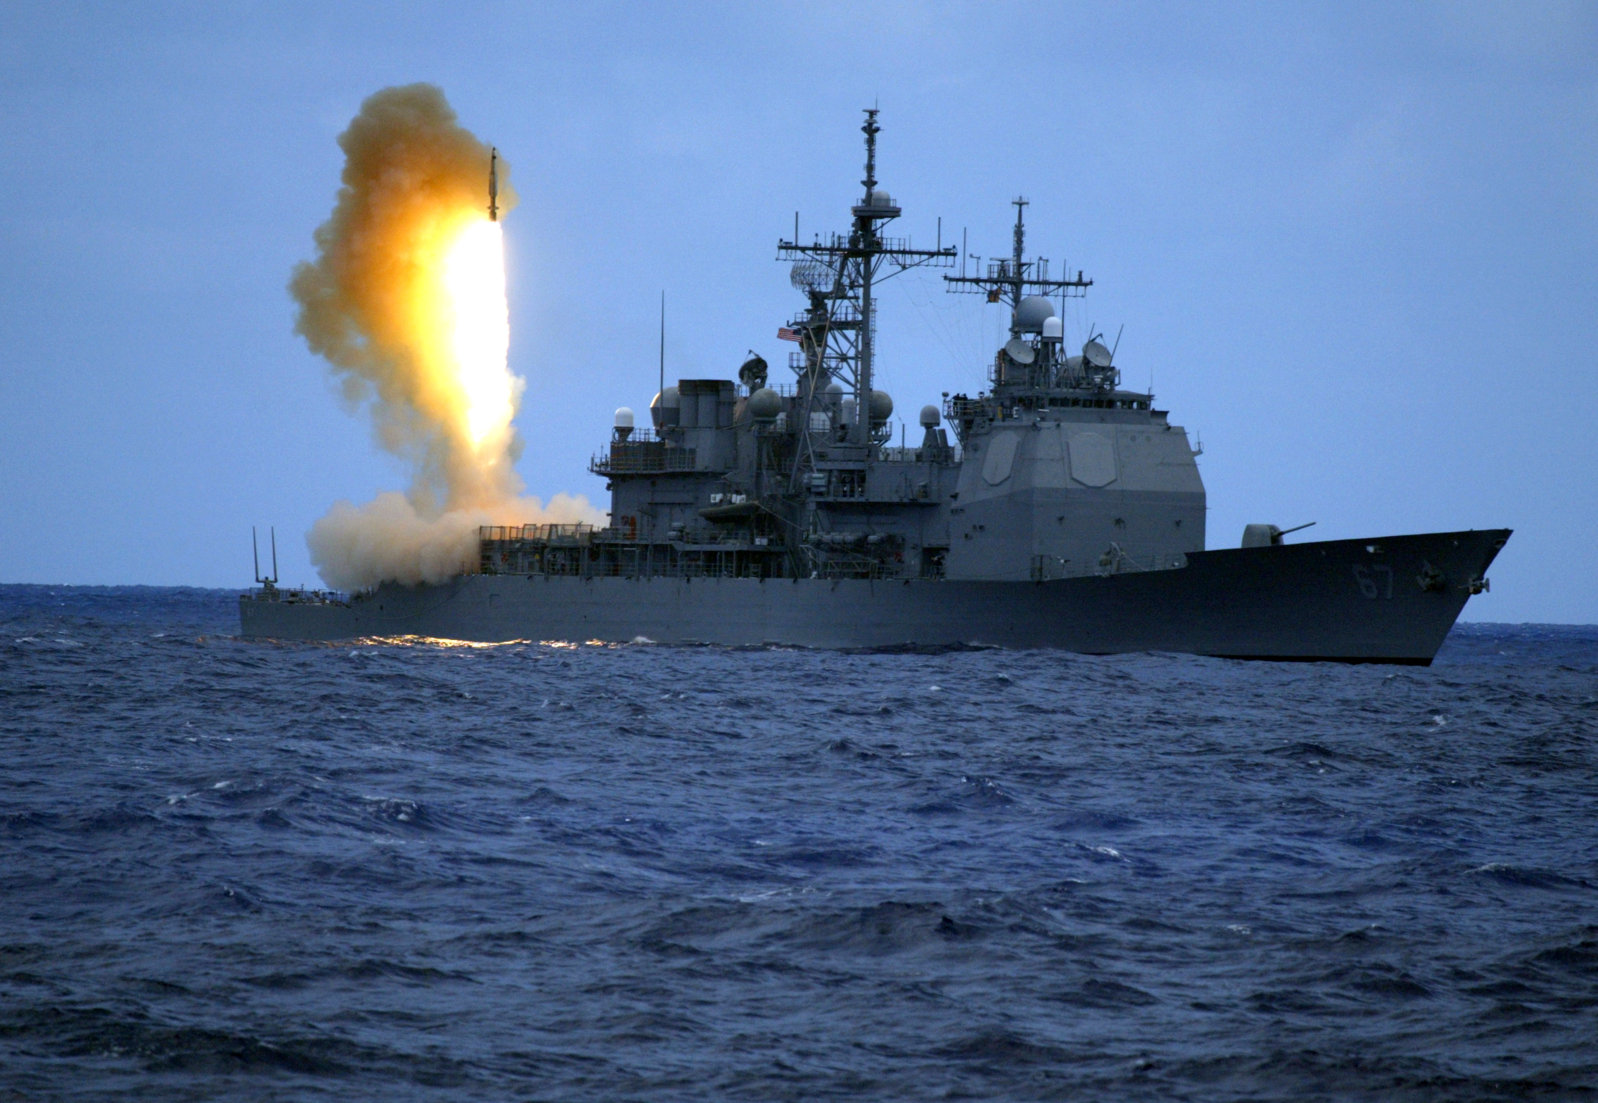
(810, 275)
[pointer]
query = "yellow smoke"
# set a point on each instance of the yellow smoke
(406, 300)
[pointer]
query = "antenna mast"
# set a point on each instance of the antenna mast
(1010, 279)
(255, 550)
(837, 331)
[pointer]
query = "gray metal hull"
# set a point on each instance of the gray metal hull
(1387, 599)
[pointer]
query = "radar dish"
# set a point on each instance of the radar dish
(1019, 351)
(753, 372)
(810, 275)
(1096, 354)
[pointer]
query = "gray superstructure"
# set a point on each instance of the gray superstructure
(1065, 511)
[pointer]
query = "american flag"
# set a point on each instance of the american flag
(786, 334)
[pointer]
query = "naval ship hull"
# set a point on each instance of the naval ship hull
(1389, 599)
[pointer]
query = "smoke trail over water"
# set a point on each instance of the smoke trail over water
(406, 300)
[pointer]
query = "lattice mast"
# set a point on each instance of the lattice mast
(839, 280)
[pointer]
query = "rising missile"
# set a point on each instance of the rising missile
(493, 184)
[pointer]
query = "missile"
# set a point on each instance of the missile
(493, 184)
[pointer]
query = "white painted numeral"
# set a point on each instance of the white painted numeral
(1381, 585)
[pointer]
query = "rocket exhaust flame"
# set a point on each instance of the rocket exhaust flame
(474, 284)
(406, 300)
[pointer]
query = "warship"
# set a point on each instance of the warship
(1065, 511)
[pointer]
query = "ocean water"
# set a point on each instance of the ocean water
(418, 871)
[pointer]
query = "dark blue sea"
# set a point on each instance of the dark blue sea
(398, 871)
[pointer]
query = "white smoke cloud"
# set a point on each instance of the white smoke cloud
(374, 303)
(389, 540)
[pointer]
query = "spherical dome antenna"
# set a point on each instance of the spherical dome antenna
(665, 408)
(765, 404)
(881, 406)
(929, 417)
(1031, 311)
(1053, 328)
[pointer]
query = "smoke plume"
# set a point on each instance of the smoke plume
(406, 300)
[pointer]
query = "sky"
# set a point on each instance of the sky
(1351, 246)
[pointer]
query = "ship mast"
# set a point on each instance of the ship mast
(838, 329)
(1009, 280)
(865, 235)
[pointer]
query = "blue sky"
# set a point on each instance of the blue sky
(1352, 245)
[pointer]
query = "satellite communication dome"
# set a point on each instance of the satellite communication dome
(765, 404)
(1031, 312)
(1053, 329)
(881, 406)
(929, 417)
(665, 408)
(624, 418)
